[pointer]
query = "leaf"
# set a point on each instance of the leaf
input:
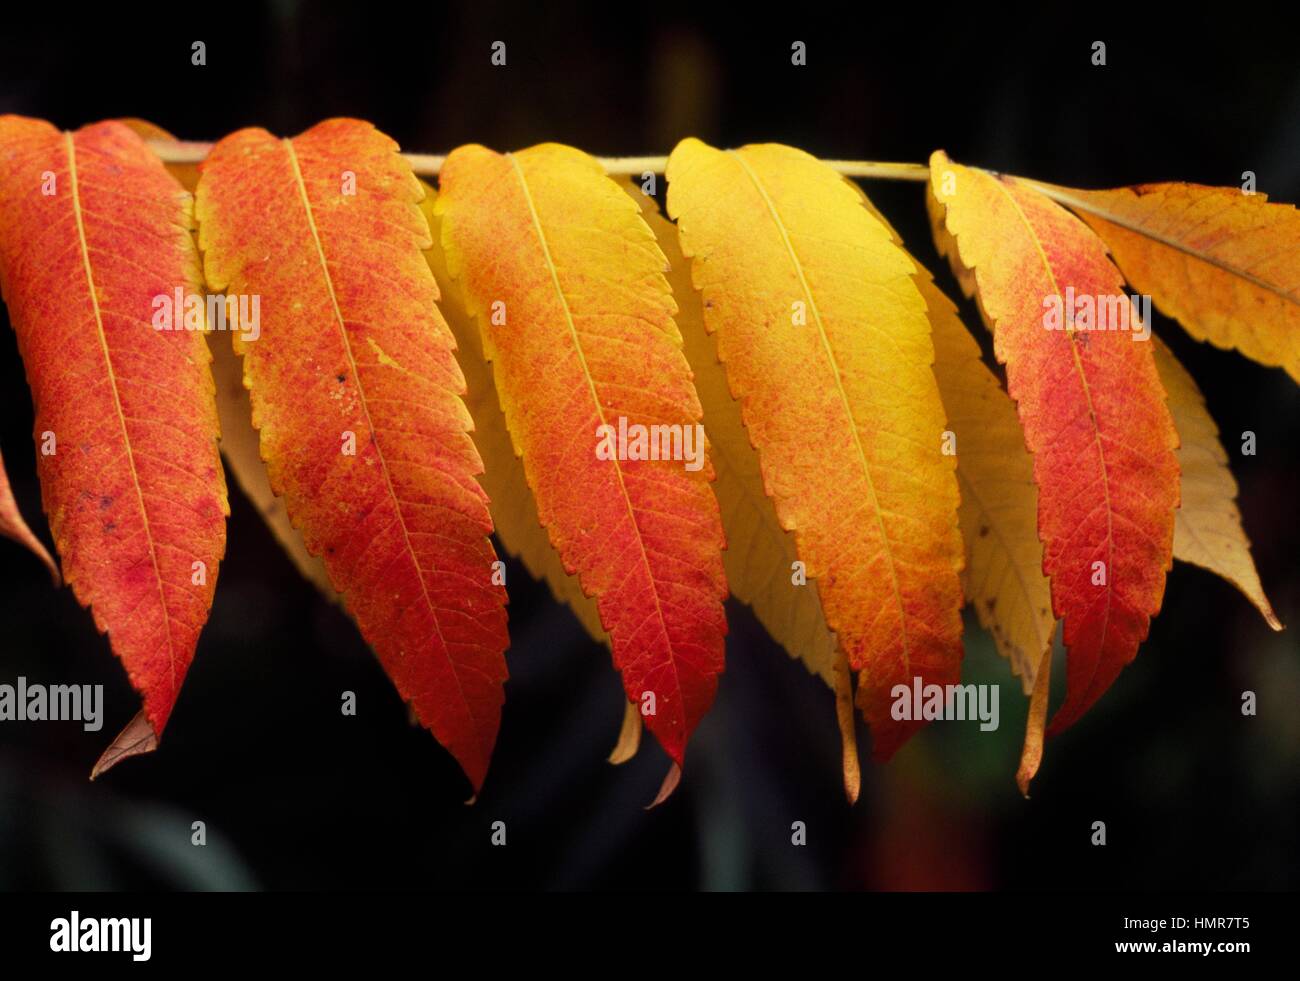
(1093, 413)
(1224, 263)
(588, 340)
(947, 247)
(125, 418)
(760, 554)
(239, 447)
(514, 513)
(1031, 755)
(1207, 526)
(1003, 576)
(13, 526)
(841, 402)
(136, 739)
(629, 735)
(671, 779)
(352, 347)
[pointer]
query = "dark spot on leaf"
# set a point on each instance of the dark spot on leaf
(105, 502)
(984, 530)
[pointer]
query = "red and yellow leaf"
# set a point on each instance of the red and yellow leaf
(514, 512)
(92, 230)
(326, 229)
(1093, 412)
(584, 338)
(1224, 263)
(826, 344)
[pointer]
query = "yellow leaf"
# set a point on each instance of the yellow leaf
(629, 735)
(1003, 578)
(1207, 526)
(826, 343)
(947, 247)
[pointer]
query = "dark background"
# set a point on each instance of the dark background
(296, 796)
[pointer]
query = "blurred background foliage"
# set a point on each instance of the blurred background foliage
(296, 796)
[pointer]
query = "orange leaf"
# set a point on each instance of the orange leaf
(243, 455)
(92, 230)
(1224, 263)
(826, 343)
(568, 286)
(13, 526)
(514, 512)
(1093, 412)
(356, 393)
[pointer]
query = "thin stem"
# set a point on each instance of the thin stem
(428, 164)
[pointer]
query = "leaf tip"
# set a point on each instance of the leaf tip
(136, 739)
(1031, 756)
(629, 736)
(848, 734)
(1271, 618)
(671, 779)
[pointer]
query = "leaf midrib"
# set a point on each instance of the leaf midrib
(848, 409)
(117, 401)
(365, 408)
(600, 412)
(1092, 416)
